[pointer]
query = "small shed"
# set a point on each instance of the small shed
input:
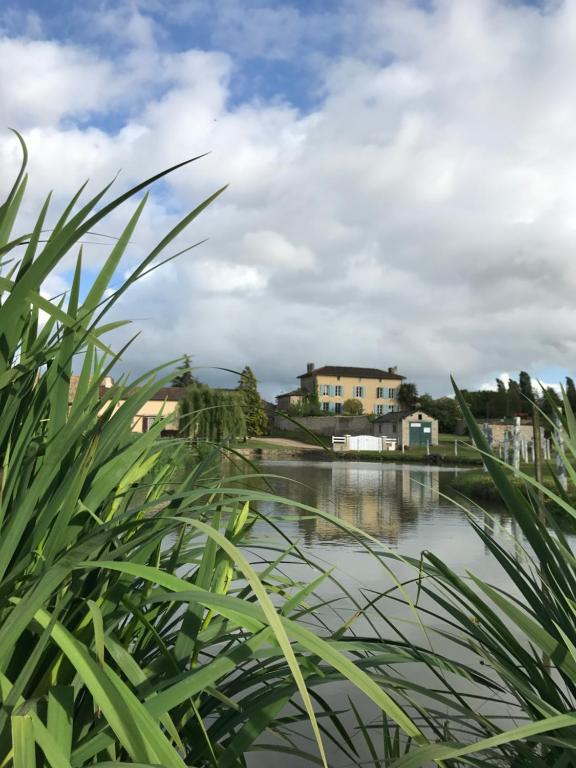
(412, 428)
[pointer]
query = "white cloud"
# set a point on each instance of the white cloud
(424, 215)
(44, 82)
(271, 248)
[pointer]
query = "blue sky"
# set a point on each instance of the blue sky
(401, 174)
(268, 70)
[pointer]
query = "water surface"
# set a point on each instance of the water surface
(402, 506)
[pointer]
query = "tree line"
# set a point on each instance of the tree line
(508, 399)
(516, 397)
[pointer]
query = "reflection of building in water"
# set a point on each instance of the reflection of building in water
(377, 499)
(420, 487)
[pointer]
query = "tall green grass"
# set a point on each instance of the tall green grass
(522, 638)
(134, 626)
(141, 620)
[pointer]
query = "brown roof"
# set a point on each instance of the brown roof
(294, 392)
(169, 393)
(401, 415)
(165, 393)
(347, 370)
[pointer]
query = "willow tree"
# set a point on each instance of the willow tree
(211, 414)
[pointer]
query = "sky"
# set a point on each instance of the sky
(402, 176)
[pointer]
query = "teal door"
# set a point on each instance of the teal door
(420, 433)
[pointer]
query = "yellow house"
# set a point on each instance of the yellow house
(376, 389)
(162, 403)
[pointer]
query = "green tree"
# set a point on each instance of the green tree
(255, 415)
(427, 403)
(211, 414)
(482, 402)
(445, 409)
(516, 402)
(500, 399)
(571, 392)
(525, 384)
(353, 407)
(550, 401)
(311, 403)
(407, 395)
(184, 376)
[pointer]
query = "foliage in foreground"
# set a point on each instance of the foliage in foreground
(133, 626)
(142, 620)
(522, 637)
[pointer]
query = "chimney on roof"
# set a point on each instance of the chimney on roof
(309, 367)
(393, 369)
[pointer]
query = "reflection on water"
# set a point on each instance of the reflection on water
(381, 499)
(404, 507)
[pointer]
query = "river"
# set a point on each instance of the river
(402, 506)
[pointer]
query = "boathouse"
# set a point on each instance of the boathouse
(411, 428)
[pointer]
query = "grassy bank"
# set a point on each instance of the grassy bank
(443, 454)
(302, 436)
(480, 487)
(412, 456)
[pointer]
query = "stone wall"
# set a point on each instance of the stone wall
(327, 425)
(499, 431)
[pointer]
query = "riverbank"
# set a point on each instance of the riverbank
(479, 487)
(275, 447)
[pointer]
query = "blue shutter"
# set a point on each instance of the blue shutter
(331, 390)
(332, 407)
(363, 391)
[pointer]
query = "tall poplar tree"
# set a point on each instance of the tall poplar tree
(254, 413)
(525, 384)
(571, 392)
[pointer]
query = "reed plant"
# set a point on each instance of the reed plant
(144, 622)
(522, 637)
(136, 624)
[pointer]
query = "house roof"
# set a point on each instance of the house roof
(294, 392)
(169, 393)
(401, 415)
(347, 370)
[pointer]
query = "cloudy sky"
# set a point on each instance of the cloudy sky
(402, 174)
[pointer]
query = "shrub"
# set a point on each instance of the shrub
(353, 407)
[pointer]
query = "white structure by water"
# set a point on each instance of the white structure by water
(363, 443)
